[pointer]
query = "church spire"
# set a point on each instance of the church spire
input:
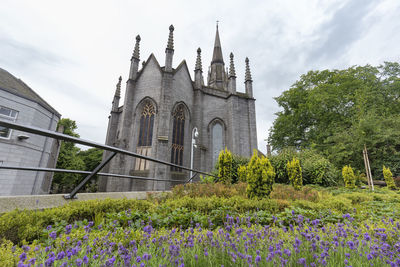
(118, 89)
(232, 72)
(232, 76)
(198, 61)
(117, 96)
(216, 74)
(198, 70)
(136, 52)
(135, 60)
(169, 51)
(247, 80)
(247, 74)
(217, 54)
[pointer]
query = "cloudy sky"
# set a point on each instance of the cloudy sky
(72, 52)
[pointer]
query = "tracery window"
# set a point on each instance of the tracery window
(178, 135)
(145, 136)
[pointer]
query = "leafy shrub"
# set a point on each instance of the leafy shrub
(28, 225)
(387, 174)
(237, 161)
(279, 162)
(316, 169)
(348, 176)
(294, 171)
(260, 176)
(225, 166)
(242, 173)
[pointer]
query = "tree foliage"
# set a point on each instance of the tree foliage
(336, 112)
(72, 158)
(316, 169)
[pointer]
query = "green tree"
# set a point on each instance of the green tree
(67, 159)
(336, 112)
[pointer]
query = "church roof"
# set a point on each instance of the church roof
(217, 54)
(15, 86)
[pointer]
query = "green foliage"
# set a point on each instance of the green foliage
(294, 171)
(237, 161)
(206, 179)
(28, 225)
(187, 206)
(336, 112)
(242, 173)
(72, 158)
(316, 169)
(225, 170)
(260, 177)
(348, 177)
(387, 174)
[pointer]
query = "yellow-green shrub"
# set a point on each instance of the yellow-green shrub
(387, 174)
(242, 173)
(348, 177)
(225, 166)
(294, 172)
(260, 176)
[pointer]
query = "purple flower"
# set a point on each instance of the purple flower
(53, 235)
(60, 255)
(78, 262)
(85, 259)
(196, 257)
(302, 261)
(22, 257)
(148, 229)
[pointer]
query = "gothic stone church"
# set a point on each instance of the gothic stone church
(163, 105)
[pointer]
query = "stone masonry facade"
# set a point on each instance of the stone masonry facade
(161, 108)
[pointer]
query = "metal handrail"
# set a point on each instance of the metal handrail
(115, 150)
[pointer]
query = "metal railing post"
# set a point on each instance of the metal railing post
(90, 176)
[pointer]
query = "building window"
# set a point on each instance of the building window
(178, 134)
(217, 141)
(10, 115)
(145, 136)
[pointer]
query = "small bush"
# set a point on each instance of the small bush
(294, 171)
(225, 166)
(242, 173)
(260, 177)
(348, 177)
(387, 174)
(237, 161)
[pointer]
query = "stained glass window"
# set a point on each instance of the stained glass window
(145, 136)
(178, 134)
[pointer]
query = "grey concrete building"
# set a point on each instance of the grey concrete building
(19, 103)
(163, 105)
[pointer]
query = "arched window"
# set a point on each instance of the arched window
(145, 136)
(217, 141)
(178, 135)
